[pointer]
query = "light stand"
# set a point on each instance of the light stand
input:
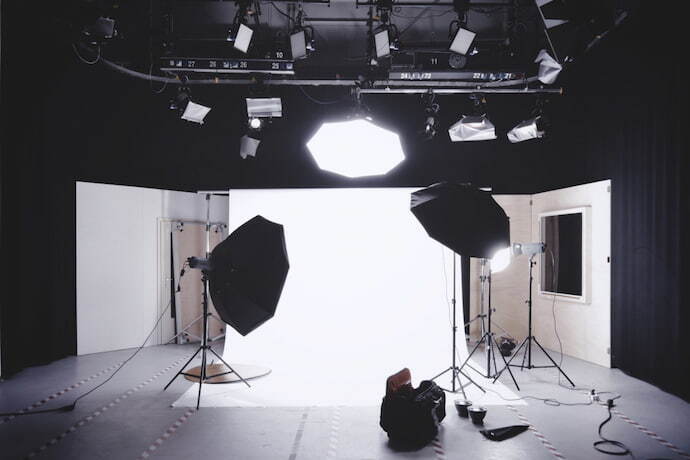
(488, 338)
(204, 348)
(527, 343)
(454, 369)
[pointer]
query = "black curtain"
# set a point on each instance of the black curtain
(625, 117)
(37, 243)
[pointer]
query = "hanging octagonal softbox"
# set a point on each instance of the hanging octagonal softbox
(248, 275)
(462, 218)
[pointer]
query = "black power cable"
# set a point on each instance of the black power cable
(623, 449)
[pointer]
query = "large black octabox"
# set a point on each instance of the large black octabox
(248, 273)
(462, 218)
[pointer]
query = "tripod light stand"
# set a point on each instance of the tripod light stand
(488, 338)
(454, 369)
(204, 347)
(527, 343)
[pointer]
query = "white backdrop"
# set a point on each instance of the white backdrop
(366, 295)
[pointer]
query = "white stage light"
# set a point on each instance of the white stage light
(264, 107)
(526, 130)
(243, 38)
(549, 68)
(195, 112)
(528, 249)
(248, 147)
(500, 260)
(255, 123)
(298, 44)
(472, 128)
(356, 148)
(462, 41)
(383, 46)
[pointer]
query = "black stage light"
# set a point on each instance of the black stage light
(462, 218)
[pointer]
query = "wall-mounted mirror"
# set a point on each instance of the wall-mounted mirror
(563, 264)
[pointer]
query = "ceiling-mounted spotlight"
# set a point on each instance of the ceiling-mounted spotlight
(463, 38)
(241, 37)
(240, 34)
(431, 115)
(101, 30)
(356, 147)
(474, 127)
(248, 146)
(549, 68)
(302, 37)
(188, 109)
(532, 128)
(260, 113)
(462, 41)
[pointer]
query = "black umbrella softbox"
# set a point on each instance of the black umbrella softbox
(462, 218)
(248, 275)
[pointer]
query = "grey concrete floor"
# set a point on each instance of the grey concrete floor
(130, 417)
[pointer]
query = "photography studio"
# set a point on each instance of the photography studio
(344, 230)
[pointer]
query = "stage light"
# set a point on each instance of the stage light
(527, 249)
(356, 148)
(248, 146)
(526, 130)
(382, 44)
(241, 37)
(302, 43)
(255, 123)
(474, 127)
(500, 260)
(431, 113)
(189, 110)
(264, 107)
(549, 68)
(462, 41)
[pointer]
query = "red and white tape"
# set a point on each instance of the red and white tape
(334, 435)
(545, 442)
(651, 434)
(169, 432)
(438, 449)
(299, 434)
(51, 442)
(57, 394)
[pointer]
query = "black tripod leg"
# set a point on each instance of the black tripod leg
(554, 362)
(507, 367)
(229, 367)
(472, 352)
(437, 376)
(456, 371)
(472, 381)
(524, 356)
(202, 377)
(493, 356)
(182, 369)
(511, 358)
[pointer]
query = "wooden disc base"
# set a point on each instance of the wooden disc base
(247, 371)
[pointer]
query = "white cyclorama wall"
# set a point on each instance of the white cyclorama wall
(366, 295)
(117, 235)
(584, 328)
